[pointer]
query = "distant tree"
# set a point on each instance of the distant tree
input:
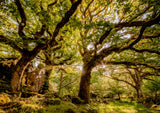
(116, 88)
(132, 74)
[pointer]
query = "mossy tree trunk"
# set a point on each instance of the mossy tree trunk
(20, 68)
(84, 90)
(61, 81)
(46, 81)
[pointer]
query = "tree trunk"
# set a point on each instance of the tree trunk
(20, 67)
(60, 85)
(84, 90)
(46, 81)
(119, 96)
(139, 93)
(18, 74)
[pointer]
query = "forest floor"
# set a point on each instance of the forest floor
(41, 105)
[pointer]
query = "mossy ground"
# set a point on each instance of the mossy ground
(124, 107)
(37, 105)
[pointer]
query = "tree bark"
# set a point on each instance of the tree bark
(119, 96)
(139, 93)
(17, 74)
(46, 81)
(84, 90)
(20, 68)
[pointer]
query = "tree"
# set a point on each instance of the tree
(114, 27)
(31, 27)
(116, 89)
(134, 68)
(131, 76)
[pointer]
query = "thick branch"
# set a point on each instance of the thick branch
(64, 20)
(104, 36)
(139, 23)
(147, 24)
(135, 41)
(107, 51)
(22, 24)
(145, 50)
(129, 64)
(139, 37)
(131, 24)
(115, 78)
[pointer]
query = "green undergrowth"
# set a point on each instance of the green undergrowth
(55, 105)
(68, 107)
(124, 107)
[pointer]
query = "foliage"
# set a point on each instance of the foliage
(116, 88)
(153, 85)
(8, 52)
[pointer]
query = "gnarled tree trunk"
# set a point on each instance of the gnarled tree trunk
(18, 73)
(84, 90)
(19, 69)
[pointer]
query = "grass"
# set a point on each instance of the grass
(113, 107)
(124, 107)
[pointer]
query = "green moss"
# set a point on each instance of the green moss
(55, 105)
(61, 109)
(29, 108)
(55, 101)
(124, 107)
